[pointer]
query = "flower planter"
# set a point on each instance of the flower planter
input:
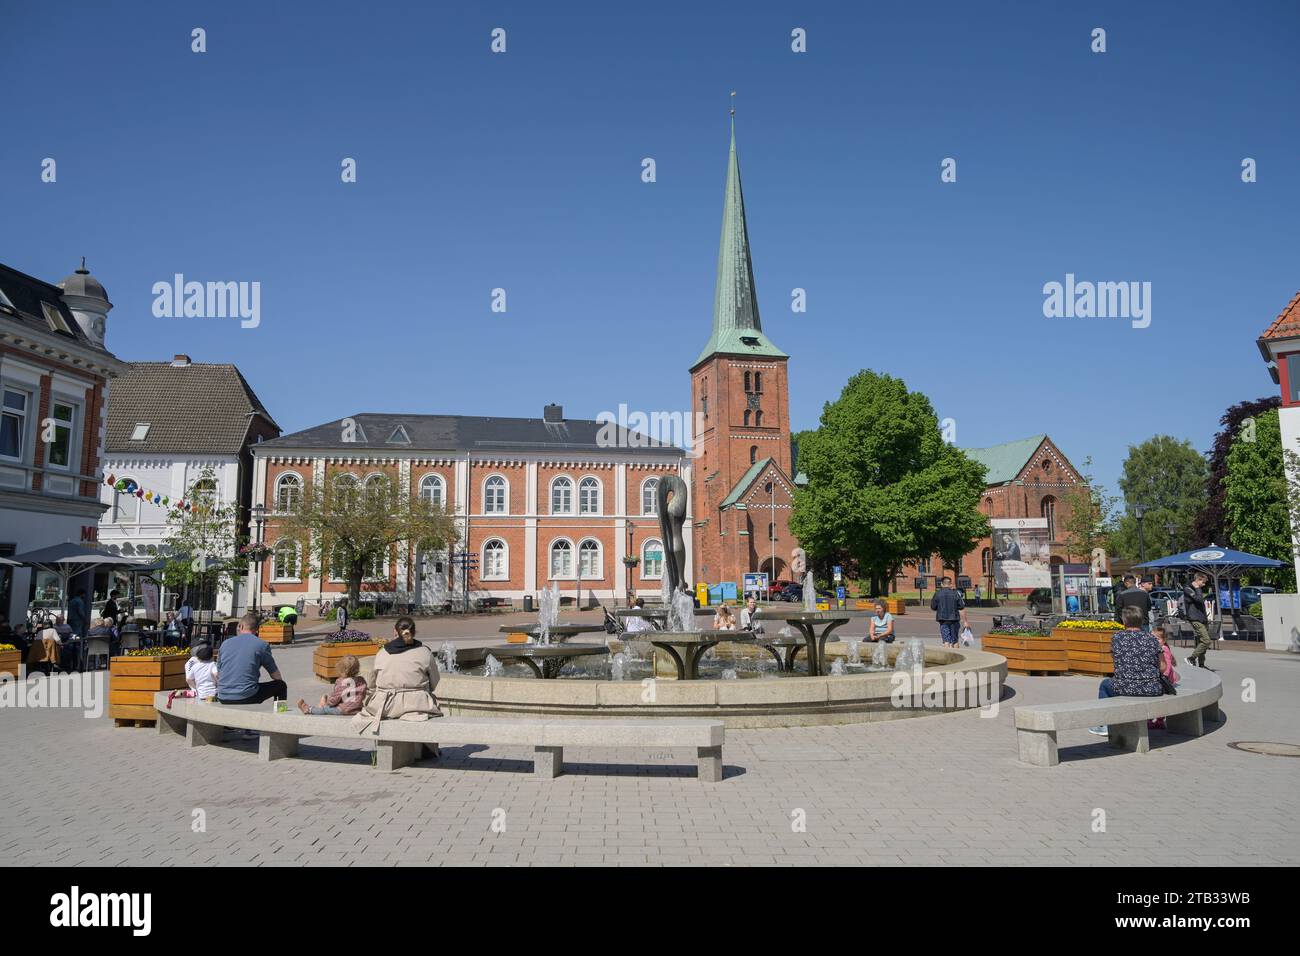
(1088, 651)
(9, 663)
(326, 656)
(1029, 654)
(274, 632)
(133, 681)
(895, 606)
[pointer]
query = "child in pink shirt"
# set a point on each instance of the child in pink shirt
(348, 693)
(1166, 669)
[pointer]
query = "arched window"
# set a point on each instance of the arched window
(204, 492)
(126, 507)
(758, 381)
(650, 496)
(589, 559)
(748, 383)
(494, 495)
(433, 490)
(562, 496)
(986, 561)
(495, 563)
(561, 559)
(746, 418)
(923, 566)
(652, 559)
(345, 489)
(758, 418)
(285, 564)
(753, 454)
(376, 485)
(1047, 509)
(288, 491)
(771, 531)
(589, 496)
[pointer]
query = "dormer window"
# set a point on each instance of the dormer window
(750, 340)
(5, 303)
(55, 318)
(399, 436)
(140, 432)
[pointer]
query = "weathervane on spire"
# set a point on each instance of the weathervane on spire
(733, 102)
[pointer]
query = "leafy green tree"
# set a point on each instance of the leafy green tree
(350, 530)
(209, 530)
(1088, 520)
(1167, 476)
(883, 486)
(1257, 503)
(1211, 525)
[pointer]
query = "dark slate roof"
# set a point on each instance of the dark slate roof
(464, 433)
(26, 293)
(191, 409)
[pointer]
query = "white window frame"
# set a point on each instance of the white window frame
(569, 575)
(434, 480)
(653, 510)
(504, 573)
(73, 462)
(118, 497)
(281, 547)
(599, 508)
(505, 495)
(645, 561)
(282, 481)
(598, 573)
(24, 417)
(555, 486)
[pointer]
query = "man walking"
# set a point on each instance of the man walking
(1133, 596)
(950, 611)
(1194, 611)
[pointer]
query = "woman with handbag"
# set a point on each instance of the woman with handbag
(1138, 662)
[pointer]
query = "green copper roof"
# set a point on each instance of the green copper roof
(736, 326)
(746, 480)
(1007, 460)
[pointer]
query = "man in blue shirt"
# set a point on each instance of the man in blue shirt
(949, 610)
(242, 659)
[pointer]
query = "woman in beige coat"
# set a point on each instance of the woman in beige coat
(406, 672)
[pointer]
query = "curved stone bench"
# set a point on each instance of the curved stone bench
(1126, 718)
(399, 742)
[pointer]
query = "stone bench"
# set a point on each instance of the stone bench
(1186, 712)
(399, 742)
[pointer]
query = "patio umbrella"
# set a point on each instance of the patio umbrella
(16, 564)
(1215, 562)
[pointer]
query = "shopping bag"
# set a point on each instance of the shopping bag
(967, 637)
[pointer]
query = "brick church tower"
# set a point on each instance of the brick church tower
(741, 485)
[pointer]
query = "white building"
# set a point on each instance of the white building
(169, 424)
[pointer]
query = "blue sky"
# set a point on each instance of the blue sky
(522, 171)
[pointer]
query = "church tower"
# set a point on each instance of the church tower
(741, 486)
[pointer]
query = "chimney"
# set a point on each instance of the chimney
(553, 413)
(180, 361)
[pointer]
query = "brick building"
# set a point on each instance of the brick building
(1027, 478)
(742, 490)
(54, 378)
(536, 500)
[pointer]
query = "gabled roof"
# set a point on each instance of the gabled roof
(29, 296)
(747, 479)
(474, 433)
(736, 326)
(1287, 324)
(1007, 460)
(190, 409)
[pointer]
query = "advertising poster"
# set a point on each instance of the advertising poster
(1021, 553)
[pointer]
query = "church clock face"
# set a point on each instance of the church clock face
(753, 401)
(97, 327)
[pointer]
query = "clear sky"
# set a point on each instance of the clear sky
(522, 171)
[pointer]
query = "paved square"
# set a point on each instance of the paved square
(945, 789)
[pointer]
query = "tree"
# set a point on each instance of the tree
(208, 530)
(1167, 476)
(1257, 503)
(350, 529)
(883, 487)
(1088, 513)
(1211, 524)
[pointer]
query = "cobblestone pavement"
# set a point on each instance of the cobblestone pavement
(945, 789)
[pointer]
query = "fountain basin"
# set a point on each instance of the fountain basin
(789, 702)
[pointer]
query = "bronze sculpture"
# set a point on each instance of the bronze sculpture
(672, 516)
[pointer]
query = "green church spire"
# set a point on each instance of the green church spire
(736, 326)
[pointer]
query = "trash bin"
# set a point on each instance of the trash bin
(528, 602)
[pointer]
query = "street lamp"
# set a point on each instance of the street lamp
(631, 552)
(1140, 512)
(1173, 536)
(259, 521)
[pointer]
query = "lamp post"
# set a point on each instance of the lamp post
(1140, 512)
(631, 550)
(1172, 529)
(259, 521)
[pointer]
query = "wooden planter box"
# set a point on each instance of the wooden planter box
(273, 632)
(9, 663)
(326, 656)
(1088, 651)
(895, 606)
(132, 682)
(1029, 655)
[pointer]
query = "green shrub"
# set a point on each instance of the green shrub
(1256, 609)
(365, 612)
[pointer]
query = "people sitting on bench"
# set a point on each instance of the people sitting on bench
(1138, 656)
(406, 672)
(348, 694)
(242, 659)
